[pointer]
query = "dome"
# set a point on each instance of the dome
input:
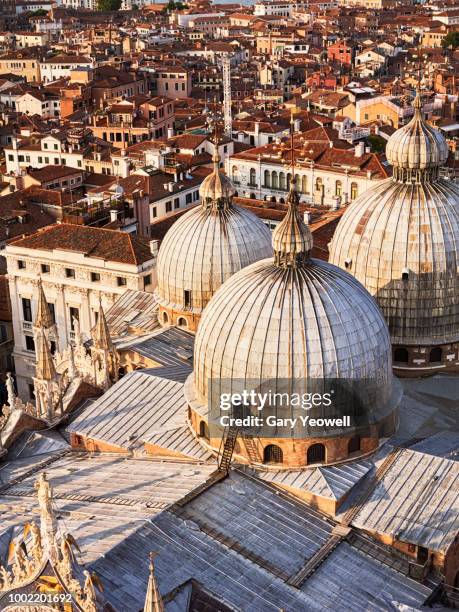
(296, 319)
(417, 145)
(206, 246)
(400, 239)
(216, 186)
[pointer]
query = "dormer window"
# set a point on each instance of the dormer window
(405, 274)
(348, 263)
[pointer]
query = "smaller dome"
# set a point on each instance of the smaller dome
(292, 238)
(417, 145)
(217, 187)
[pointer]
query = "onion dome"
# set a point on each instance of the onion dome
(400, 239)
(293, 318)
(416, 146)
(206, 246)
(216, 189)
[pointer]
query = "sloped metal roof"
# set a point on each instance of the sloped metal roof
(416, 501)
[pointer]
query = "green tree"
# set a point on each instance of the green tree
(377, 143)
(451, 40)
(109, 5)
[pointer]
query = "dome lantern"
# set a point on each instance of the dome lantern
(416, 151)
(216, 190)
(292, 238)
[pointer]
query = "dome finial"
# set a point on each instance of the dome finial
(216, 189)
(292, 238)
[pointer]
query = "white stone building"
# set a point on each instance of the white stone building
(326, 174)
(77, 265)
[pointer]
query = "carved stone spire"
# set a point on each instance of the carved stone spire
(45, 369)
(101, 334)
(44, 318)
(153, 599)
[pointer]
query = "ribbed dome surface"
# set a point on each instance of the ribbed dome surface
(203, 249)
(269, 323)
(417, 144)
(398, 228)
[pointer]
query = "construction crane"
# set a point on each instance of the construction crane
(227, 95)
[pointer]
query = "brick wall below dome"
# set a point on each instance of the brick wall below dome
(417, 361)
(294, 452)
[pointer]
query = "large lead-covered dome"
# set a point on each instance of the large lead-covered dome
(293, 319)
(204, 248)
(400, 239)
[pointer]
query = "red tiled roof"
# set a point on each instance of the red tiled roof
(109, 245)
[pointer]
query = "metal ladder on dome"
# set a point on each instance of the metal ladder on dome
(251, 448)
(227, 445)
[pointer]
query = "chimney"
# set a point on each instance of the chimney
(113, 216)
(360, 149)
(170, 187)
(170, 132)
(154, 247)
(307, 217)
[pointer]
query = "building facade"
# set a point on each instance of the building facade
(78, 266)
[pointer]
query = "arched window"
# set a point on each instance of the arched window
(338, 188)
(316, 454)
(435, 355)
(354, 191)
(289, 180)
(401, 355)
(165, 317)
(182, 322)
(304, 184)
(353, 445)
(282, 183)
(253, 177)
(235, 174)
(274, 180)
(267, 178)
(319, 184)
(272, 454)
(203, 430)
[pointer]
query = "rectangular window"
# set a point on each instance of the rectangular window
(31, 392)
(10, 157)
(21, 264)
(69, 272)
(176, 203)
(121, 281)
(44, 268)
(187, 300)
(30, 344)
(154, 212)
(188, 198)
(95, 277)
(26, 309)
(74, 316)
(52, 310)
(168, 207)
(3, 333)
(146, 280)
